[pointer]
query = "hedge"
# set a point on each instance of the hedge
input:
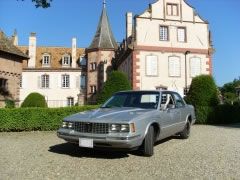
(36, 119)
(221, 114)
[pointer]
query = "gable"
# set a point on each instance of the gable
(176, 10)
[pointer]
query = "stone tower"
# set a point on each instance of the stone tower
(100, 54)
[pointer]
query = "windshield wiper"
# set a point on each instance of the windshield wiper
(110, 106)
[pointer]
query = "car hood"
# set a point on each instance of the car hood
(108, 115)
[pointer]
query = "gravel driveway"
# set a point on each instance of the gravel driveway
(211, 152)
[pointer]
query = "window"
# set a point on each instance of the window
(167, 101)
(151, 65)
(45, 81)
(66, 60)
(181, 34)
(172, 9)
(3, 84)
(174, 67)
(83, 61)
(65, 81)
(195, 66)
(46, 60)
(83, 81)
(93, 66)
(164, 33)
(70, 101)
(93, 89)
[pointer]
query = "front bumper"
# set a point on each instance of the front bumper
(118, 141)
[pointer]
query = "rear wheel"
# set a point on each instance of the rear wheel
(186, 131)
(148, 143)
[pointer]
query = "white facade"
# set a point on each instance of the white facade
(170, 45)
(56, 93)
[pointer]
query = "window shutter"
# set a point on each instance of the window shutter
(71, 81)
(49, 81)
(174, 68)
(59, 81)
(78, 82)
(39, 82)
(181, 34)
(195, 65)
(151, 66)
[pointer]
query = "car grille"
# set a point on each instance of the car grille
(95, 128)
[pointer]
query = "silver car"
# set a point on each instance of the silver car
(130, 120)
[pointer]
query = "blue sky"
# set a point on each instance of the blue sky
(57, 25)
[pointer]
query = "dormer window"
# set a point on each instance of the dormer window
(66, 61)
(172, 9)
(46, 60)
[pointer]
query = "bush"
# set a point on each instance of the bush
(31, 119)
(117, 81)
(9, 103)
(203, 92)
(34, 100)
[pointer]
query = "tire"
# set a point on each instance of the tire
(186, 131)
(147, 147)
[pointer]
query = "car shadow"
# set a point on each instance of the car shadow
(75, 151)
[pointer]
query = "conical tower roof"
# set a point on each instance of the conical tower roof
(103, 38)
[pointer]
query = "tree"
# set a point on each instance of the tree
(41, 3)
(203, 92)
(117, 81)
(34, 100)
(230, 87)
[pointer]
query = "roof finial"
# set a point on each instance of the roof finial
(104, 3)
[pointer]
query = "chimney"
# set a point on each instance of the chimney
(74, 52)
(129, 24)
(32, 50)
(15, 38)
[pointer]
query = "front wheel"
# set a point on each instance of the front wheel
(148, 143)
(186, 131)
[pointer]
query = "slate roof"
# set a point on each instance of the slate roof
(6, 45)
(103, 38)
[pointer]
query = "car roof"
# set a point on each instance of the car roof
(145, 91)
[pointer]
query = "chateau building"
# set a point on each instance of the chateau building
(58, 73)
(11, 60)
(164, 48)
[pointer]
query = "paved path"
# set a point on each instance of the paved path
(211, 153)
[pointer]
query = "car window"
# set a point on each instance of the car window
(167, 101)
(178, 100)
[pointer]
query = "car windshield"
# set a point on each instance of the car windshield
(145, 100)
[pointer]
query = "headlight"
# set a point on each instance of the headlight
(118, 128)
(70, 125)
(65, 124)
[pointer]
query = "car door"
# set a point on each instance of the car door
(180, 106)
(169, 115)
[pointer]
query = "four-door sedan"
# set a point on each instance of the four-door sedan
(130, 120)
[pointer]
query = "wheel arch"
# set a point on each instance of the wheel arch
(156, 127)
